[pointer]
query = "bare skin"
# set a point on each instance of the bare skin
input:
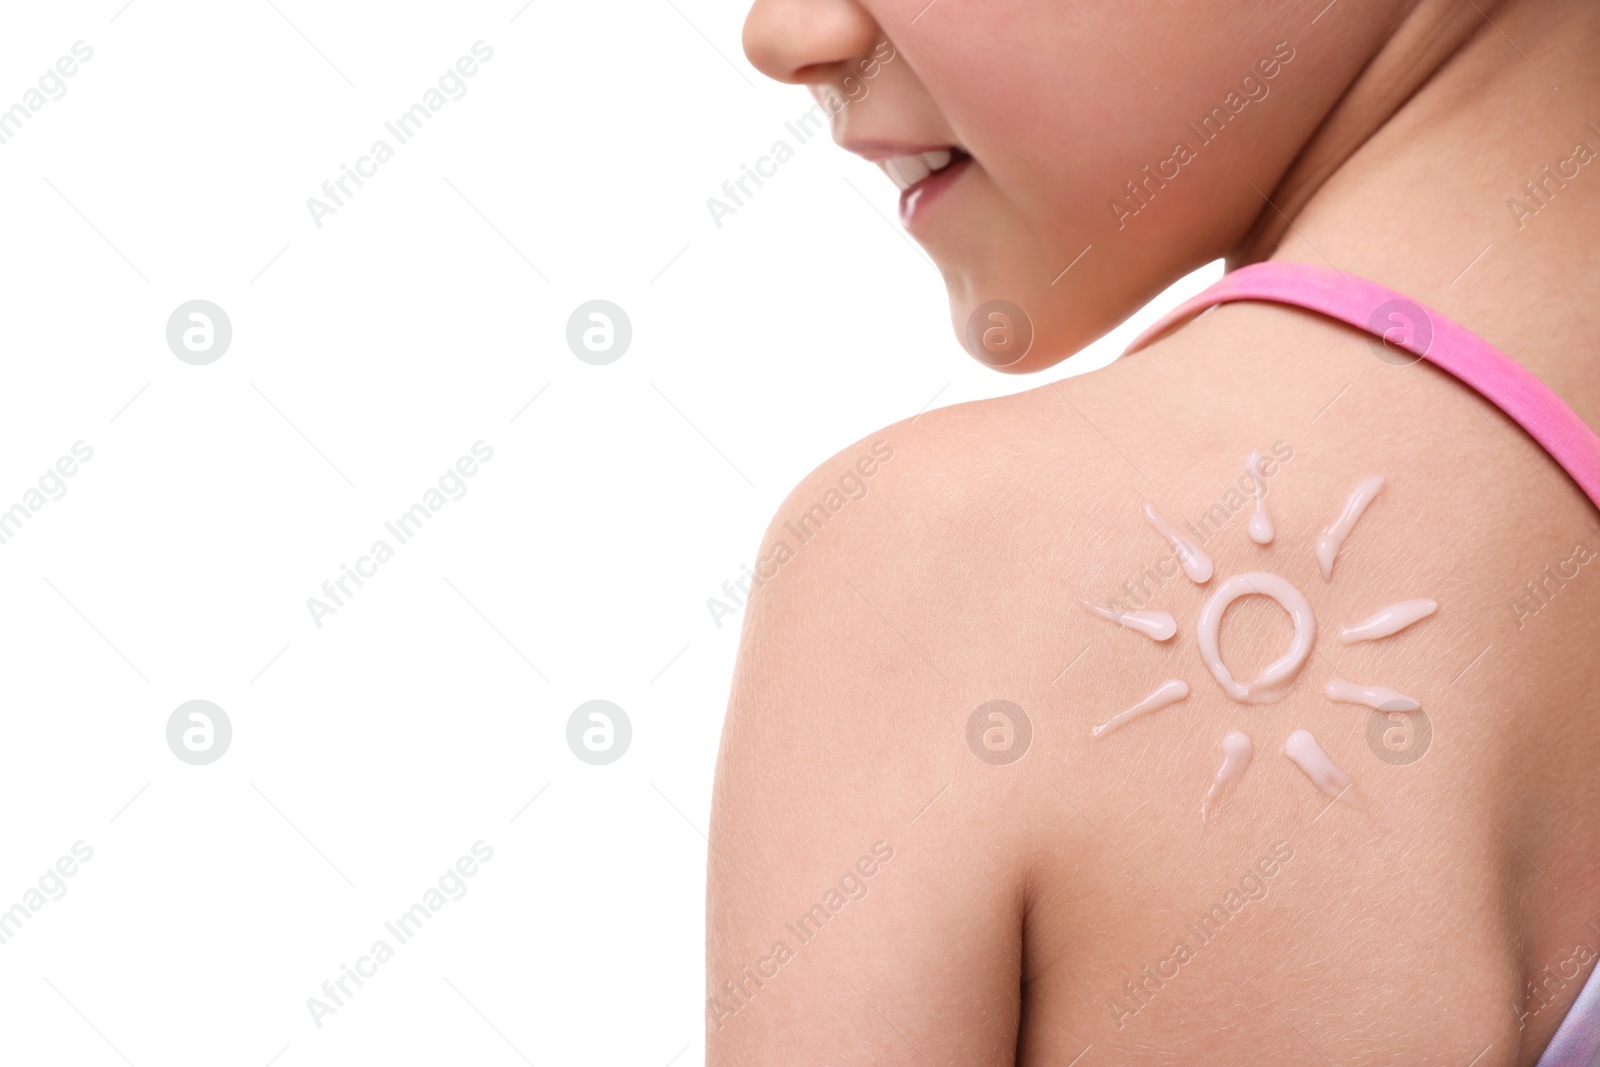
(1022, 899)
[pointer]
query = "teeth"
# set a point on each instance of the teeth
(906, 171)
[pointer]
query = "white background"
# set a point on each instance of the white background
(367, 355)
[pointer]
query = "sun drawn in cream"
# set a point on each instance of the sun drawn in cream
(1276, 681)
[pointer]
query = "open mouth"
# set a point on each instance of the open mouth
(909, 171)
(924, 176)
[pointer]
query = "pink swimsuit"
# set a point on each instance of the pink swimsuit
(1404, 324)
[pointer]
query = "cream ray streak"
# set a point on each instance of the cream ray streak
(1196, 564)
(1377, 697)
(1156, 625)
(1390, 620)
(1260, 527)
(1303, 749)
(1168, 692)
(1332, 539)
(1236, 753)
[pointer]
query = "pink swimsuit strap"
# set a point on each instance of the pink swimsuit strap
(1403, 323)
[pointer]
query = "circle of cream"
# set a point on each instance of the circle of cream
(1275, 681)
